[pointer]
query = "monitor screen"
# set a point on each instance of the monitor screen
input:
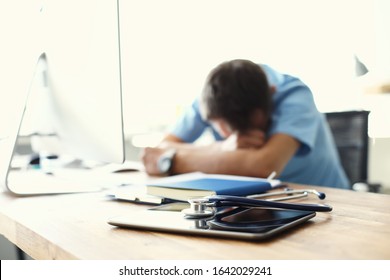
(80, 40)
(76, 81)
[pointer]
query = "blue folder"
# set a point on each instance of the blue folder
(182, 187)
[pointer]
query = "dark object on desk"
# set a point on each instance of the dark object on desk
(350, 133)
(125, 170)
(256, 220)
(125, 167)
(208, 206)
(35, 160)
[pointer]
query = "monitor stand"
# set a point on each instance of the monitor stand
(31, 181)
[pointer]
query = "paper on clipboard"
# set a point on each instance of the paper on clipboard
(136, 194)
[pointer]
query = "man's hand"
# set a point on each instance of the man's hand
(252, 139)
(149, 158)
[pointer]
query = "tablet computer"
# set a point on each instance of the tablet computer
(236, 223)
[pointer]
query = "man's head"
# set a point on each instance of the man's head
(237, 94)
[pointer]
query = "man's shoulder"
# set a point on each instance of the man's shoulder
(278, 78)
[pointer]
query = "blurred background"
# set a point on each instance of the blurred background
(169, 47)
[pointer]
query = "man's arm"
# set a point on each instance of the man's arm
(172, 141)
(272, 156)
(252, 139)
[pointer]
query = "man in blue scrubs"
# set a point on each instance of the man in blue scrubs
(263, 121)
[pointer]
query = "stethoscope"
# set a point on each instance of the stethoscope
(207, 206)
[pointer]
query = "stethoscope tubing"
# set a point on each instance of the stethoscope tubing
(226, 200)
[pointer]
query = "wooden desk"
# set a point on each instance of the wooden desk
(74, 226)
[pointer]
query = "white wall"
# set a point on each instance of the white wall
(170, 46)
(382, 38)
(379, 163)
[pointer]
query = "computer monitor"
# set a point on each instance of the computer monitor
(80, 62)
(81, 45)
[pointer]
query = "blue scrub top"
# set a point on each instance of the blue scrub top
(294, 113)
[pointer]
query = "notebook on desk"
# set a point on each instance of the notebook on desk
(197, 184)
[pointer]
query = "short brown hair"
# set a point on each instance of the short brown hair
(232, 92)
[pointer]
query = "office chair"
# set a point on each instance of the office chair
(350, 133)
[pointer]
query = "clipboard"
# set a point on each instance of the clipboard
(136, 194)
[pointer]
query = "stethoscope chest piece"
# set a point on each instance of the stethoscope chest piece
(199, 208)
